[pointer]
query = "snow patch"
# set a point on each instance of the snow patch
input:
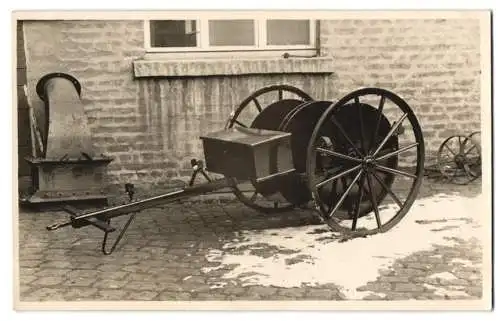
(350, 264)
(443, 276)
(445, 292)
(464, 262)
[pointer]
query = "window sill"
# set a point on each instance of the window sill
(228, 67)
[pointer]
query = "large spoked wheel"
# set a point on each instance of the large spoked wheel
(459, 159)
(365, 162)
(264, 109)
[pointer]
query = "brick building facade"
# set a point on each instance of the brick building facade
(142, 110)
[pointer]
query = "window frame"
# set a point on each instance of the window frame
(260, 37)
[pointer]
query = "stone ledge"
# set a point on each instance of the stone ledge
(211, 67)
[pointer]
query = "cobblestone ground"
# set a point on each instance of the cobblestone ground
(164, 254)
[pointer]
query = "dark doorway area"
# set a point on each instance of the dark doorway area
(23, 124)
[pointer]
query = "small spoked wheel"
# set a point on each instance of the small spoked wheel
(459, 159)
(264, 109)
(365, 162)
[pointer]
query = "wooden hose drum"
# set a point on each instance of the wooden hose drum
(345, 155)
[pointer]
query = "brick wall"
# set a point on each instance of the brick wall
(433, 64)
(150, 125)
(177, 112)
(99, 54)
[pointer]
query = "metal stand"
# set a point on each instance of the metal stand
(129, 189)
(66, 168)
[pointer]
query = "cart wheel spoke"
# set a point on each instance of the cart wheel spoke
(339, 155)
(448, 153)
(394, 171)
(367, 191)
(257, 104)
(467, 172)
(450, 150)
(241, 124)
(389, 134)
(333, 191)
(397, 152)
(377, 126)
(445, 154)
(346, 137)
(469, 150)
(361, 125)
(337, 176)
(388, 190)
(346, 192)
(373, 201)
(358, 202)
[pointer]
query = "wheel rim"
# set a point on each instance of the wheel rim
(475, 139)
(376, 194)
(459, 159)
(282, 91)
(476, 166)
(259, 101)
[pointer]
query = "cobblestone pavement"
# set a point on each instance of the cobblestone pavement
(166, 256)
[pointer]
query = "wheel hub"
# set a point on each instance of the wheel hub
(368, 163)
(459, 159)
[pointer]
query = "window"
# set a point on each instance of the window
(229, 35)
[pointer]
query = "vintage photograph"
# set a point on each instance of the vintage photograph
(287, 160)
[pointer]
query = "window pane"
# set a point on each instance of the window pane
(231, 32)
(288, 32)
(173, 33)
